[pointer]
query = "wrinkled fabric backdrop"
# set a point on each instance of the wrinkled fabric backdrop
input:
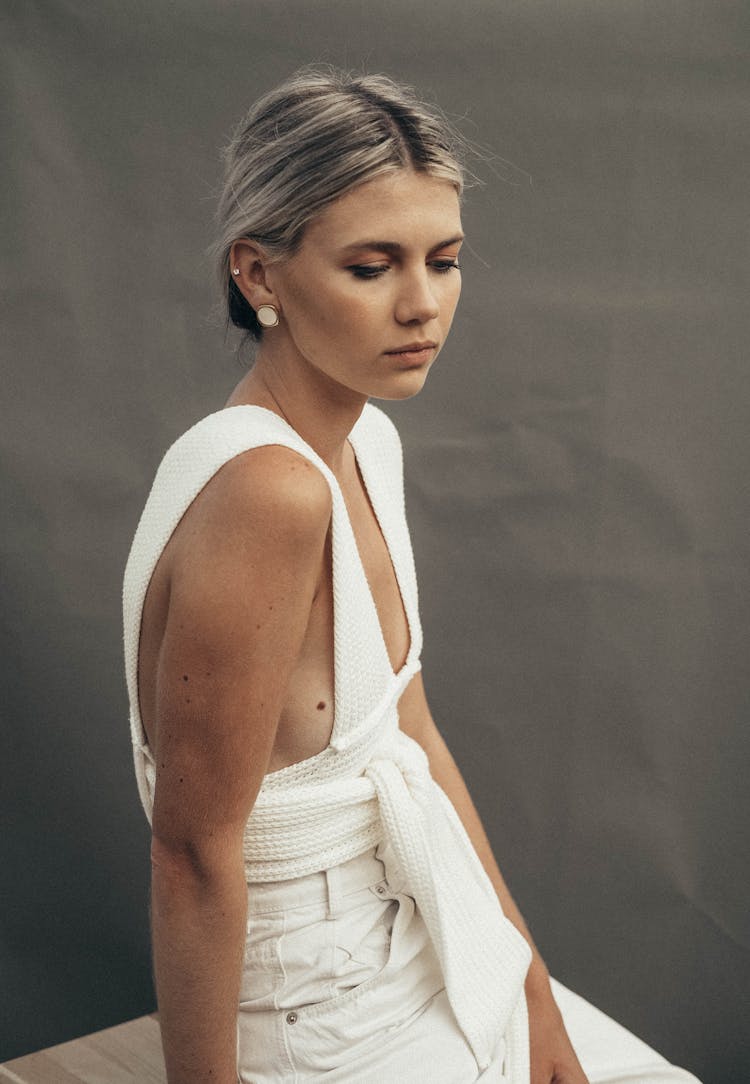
(576, 468)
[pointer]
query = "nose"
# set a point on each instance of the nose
(417, 302)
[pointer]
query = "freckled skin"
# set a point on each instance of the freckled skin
(343, 308)
(376, 272)
(375, 280)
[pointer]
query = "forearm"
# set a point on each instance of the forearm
(198, 933)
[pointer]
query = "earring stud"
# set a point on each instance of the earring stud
(268, 315)
(235, 270)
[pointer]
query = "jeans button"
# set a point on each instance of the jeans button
(291, 1018)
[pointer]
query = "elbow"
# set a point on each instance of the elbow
(196, 858)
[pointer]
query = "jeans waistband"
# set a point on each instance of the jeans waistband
(330, 886)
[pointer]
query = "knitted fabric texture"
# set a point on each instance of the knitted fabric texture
(371, 785)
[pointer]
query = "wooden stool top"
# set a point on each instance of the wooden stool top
(129, 1053)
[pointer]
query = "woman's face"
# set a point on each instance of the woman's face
(368, 299)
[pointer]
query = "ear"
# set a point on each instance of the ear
(251, 261)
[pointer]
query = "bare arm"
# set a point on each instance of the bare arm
(245, 563)
(552, 1056)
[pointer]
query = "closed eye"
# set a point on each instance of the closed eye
(373, 271)
(368, 270)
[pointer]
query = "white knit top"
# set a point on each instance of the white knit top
(372, 784)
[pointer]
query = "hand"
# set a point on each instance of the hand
(553, 1059)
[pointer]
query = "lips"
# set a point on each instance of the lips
(414, 348)
(414, 355)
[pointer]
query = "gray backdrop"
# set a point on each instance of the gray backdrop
(576, 468)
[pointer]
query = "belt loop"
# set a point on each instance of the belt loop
(333, 882)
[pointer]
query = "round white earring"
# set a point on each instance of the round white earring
(268, 315)
(235, 270)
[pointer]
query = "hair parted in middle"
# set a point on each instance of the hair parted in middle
(310, 140)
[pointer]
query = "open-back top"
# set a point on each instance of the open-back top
(371, 786)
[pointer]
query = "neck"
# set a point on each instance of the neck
(320, 410)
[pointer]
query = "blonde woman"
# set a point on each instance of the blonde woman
(325, 902)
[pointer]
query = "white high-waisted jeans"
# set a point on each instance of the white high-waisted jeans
(341, 985)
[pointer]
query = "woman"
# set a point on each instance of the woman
(317, 860)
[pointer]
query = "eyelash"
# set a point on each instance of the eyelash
(368, 271)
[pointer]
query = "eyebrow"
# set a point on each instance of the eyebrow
(394, 246)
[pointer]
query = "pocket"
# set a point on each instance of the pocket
(383, 979)
(329, 960)
(362, 939)
(262, 971)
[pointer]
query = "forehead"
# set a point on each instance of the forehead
(402, 206)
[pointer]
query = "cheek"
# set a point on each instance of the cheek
(340, 312)
(451, 298)
(325, 319)
(313, 312)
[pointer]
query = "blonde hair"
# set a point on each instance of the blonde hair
(302, 145)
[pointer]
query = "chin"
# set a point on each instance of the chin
(408, 384)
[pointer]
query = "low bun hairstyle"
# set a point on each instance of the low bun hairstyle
(307, 142)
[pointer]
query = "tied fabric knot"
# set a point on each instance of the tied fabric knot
(484, 958)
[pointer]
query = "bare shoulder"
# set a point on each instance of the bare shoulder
(247, 561)
(271, 495)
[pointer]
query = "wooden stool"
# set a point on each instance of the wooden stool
(127, 1054)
